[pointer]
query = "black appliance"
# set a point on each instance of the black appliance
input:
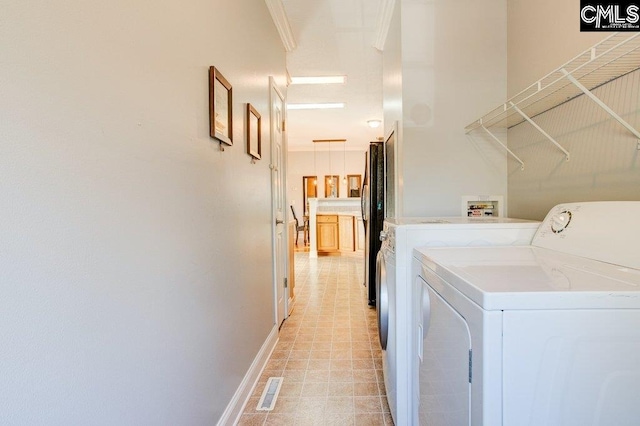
(372, 213)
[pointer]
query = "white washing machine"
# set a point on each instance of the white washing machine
(546, 334)
(394, 280)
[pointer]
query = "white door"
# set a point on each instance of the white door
(278, 152)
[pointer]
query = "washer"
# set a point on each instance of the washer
(546, 334)
(393, 282)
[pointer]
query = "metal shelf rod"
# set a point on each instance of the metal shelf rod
(594, 55)
(600, 103)
(540, 129)
(495, 138)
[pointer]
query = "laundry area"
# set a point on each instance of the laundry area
(543, 333)
(317, 212)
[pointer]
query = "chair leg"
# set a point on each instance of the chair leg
(297, 234)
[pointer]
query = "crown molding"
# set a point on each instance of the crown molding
(385, 14)
(280, 19)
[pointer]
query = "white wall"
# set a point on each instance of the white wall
(448, 61)
(125, 231)
(392, 73)
(301, 163)
(604, 161)
(604, 164)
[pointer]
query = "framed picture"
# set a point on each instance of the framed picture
(354, 183)
(332, 186)
(220, 107)
(254, 131)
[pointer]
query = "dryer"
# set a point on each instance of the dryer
(393, 282)
(545, 334)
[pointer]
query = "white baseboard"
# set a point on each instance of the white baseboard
(234, 410)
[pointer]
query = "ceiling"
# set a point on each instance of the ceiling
(334, 37)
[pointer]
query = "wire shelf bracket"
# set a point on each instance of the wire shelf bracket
(611, 58)
(601, 104)
(495, 138)
(541, 130)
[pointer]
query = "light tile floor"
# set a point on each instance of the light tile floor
(328, 352)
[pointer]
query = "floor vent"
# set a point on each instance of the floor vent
(270, 394)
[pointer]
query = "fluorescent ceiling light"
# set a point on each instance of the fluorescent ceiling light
(316, 106)
(329, 79)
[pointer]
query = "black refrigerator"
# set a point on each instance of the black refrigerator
(372, 213)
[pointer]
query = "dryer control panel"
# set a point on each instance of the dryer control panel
(606, 231)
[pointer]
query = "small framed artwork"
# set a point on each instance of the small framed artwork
(220, 107)
(354, 183)
(254, 131)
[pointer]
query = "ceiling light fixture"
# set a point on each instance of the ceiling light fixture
(328, 140)
(344, 165)
(330, 174)
(328, 105)
(315, 170)
(329, 79)
(374, 123)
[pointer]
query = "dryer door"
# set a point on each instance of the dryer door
(382, 301)
(444, 352)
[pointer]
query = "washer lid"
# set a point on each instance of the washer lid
(607, 231)
(525, 277)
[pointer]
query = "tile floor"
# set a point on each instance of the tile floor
(328, 352)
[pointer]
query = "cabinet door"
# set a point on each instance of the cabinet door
(346, 233)
(328, 236)
(360, 234)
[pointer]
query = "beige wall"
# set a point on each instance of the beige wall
(302, 163)
(126, 231)
(542, 35)
(604, 161)
(445, 65)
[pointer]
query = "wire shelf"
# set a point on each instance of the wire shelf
(613, 57)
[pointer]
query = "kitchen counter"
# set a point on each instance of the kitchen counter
(329, 206)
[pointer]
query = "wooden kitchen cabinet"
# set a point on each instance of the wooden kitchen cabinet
(360, 234)
(327, 231)
(347, 234)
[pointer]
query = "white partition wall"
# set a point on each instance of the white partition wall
(444, 64)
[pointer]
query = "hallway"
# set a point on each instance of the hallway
(328, 352)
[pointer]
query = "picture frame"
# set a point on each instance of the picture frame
(354, 184)
(220, 107)
(254, 132)
(332, 186)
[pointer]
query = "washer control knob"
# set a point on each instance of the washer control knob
(560, 221)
